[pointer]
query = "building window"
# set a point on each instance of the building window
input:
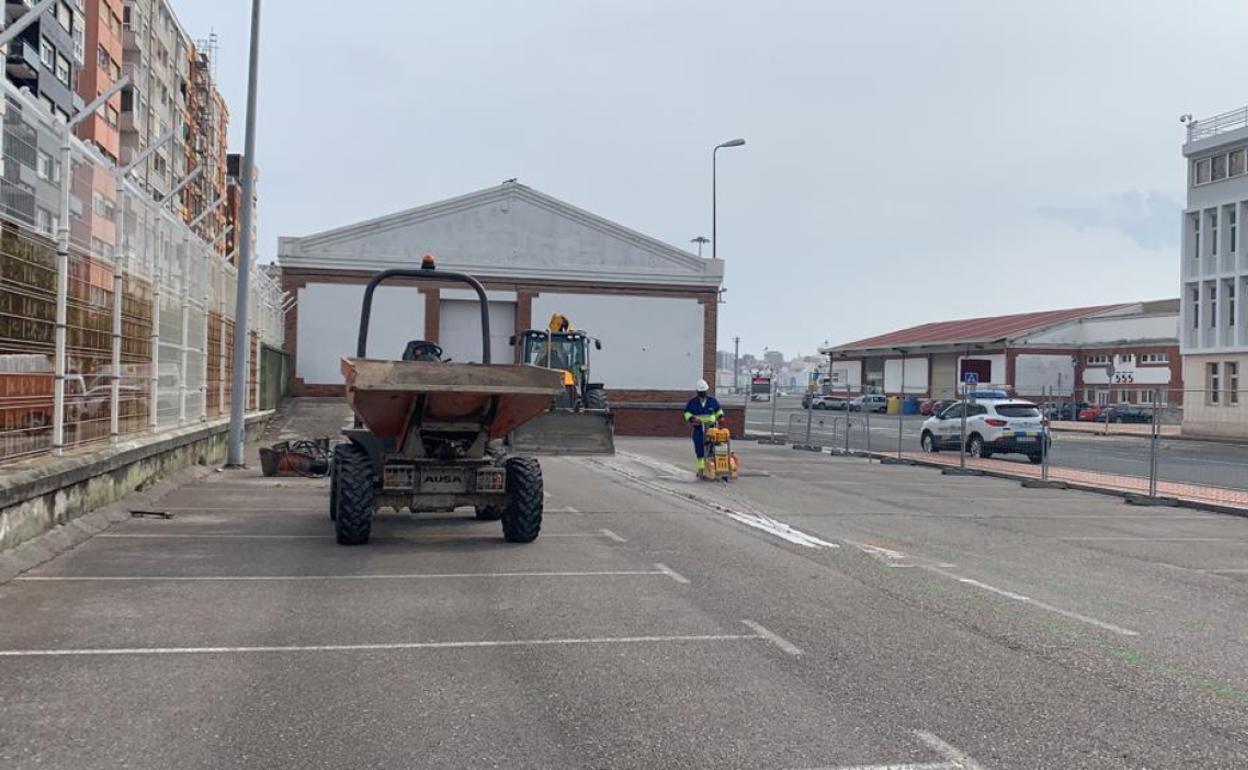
(1219, 167)
(1124, 396)
(1232, 224)
(43, 166)
(64, 16)
(1095, 360)
(1154, 358)
(104, 59)
(47, 53)
(114, 26)
(1237, 161)
(1202, 170)
(1230, 303)
(1213, 384)
(1195, 236)
(1126, 358)
(1232, 382)
(1102, 398)
(111, 115)
(63, 70)
(1213, 305)
(1195, 307)
(1213, 232)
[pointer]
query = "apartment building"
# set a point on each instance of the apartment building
(1214, 274)
(234, 207)
(101, 69)
(206, 147)
(156, 55)
(45, 59)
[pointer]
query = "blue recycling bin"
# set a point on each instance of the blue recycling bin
(911, 405)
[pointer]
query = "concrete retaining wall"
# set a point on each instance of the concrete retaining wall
(45, 492)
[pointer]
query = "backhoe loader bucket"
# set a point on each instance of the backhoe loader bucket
(566, 432)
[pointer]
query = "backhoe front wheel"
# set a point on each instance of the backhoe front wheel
(596, 399)
(522, 518)
(353, 491)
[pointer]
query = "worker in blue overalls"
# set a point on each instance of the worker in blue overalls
(702, 412)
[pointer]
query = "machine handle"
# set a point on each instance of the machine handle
(428, 273)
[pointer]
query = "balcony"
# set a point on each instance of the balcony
(22, 63)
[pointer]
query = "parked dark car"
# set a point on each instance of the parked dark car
(1066, 410)
(1127, 414)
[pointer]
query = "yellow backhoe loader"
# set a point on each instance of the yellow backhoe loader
(579, 421)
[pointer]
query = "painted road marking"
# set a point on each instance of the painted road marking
(380, 647)
(1037, 603)
(262, 536)
(612, 536)
(774, 638)
(673, 574)
(953, 758)
(570, 509)
(1154, 539)
(755, 520)
(661, 570)
(892, 558)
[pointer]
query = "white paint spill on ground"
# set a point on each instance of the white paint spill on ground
(755, 520)
(612, 536)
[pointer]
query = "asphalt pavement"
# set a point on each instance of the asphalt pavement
(1197, 462)
(820, 612)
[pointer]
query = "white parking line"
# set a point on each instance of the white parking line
(570, 509)
(377, 647)
(774, 638)
(954, 759)
(1153, 539)
(262, 536)
(1037, 603)
(673, 574)
(612, 536)
(955, 756)
(662, 570)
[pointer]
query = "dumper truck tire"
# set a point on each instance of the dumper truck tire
(596, 398)
(353, 473)
(522, 518)
(489, 512)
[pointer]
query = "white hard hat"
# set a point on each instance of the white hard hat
(702, 386)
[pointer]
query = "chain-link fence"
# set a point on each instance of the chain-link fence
(115, 317)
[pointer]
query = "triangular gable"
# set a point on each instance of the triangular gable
(510, 231)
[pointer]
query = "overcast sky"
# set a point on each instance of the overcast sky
(906, 161)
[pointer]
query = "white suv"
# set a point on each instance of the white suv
(993, 426)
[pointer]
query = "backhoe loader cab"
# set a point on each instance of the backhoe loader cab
(567, 352)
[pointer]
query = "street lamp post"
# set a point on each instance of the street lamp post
(238, 391)
(714, 193)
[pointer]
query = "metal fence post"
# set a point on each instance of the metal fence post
(901, 407)
(773, 409)
(866, 417)
(62, 293)
(153, 420)
(206, 300)
(1152, 451)
(184, 262)
(962, 442)
(120, 241)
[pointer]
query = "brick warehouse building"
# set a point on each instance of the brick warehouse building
(653, 305)
(1057, 354)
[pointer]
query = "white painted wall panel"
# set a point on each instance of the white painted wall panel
(1043, 375)
(648, 343)
(916, 375)
(329, 322)
(459, 331)
(847, 374)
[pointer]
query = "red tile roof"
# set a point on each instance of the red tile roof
(974, 329)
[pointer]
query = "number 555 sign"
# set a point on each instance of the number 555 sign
(1124, 378)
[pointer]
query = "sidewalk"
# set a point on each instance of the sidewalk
(1130, 485)
(1114, 429)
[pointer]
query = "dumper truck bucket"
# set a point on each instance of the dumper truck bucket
(388, 396)
(565, 432)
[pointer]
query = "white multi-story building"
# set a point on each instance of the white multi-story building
(1214, 337)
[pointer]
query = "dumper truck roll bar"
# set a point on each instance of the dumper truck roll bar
(427, 272)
